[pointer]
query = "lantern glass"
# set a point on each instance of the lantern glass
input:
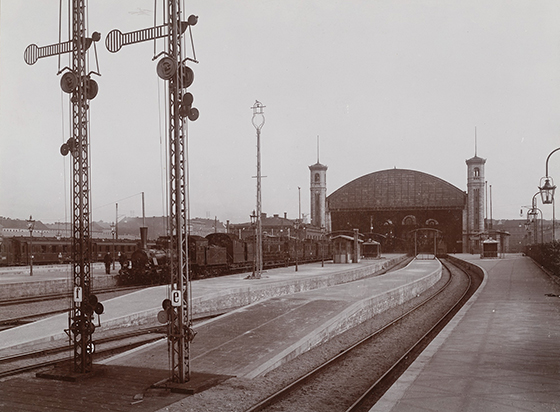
(532, 212)
(547, 190)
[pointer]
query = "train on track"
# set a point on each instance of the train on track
(220, 254)
(216, 254)
(18, 250)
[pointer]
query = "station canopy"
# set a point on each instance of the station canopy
(397, 189)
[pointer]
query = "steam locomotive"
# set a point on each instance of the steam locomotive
(220, 254)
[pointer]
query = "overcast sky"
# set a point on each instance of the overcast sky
(383, 83)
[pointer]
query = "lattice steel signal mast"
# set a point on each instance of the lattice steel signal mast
(172, 67)
(78, 83)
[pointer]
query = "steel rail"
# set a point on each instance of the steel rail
(63, 348)
(34, 299)
(108, 339)
(442, 321)
(128, 346)
(22, 319)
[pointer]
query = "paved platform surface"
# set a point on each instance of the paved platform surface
(253, 340)
(501, 353)
(208, 295)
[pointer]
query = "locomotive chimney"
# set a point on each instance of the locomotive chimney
(144, 237)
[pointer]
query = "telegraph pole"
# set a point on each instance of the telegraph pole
(78, 83)
(172, 68)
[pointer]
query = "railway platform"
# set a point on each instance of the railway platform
(209, 297)
(246, 342)
(500, 353)
(257, 338)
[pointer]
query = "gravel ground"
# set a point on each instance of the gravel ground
(238, 394)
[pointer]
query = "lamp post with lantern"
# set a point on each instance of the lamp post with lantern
(534, 213)
(30, 226)
(258, 122)
(546, 190)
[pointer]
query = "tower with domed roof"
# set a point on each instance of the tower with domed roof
(318, 189)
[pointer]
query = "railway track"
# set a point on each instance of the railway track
(357, 377)
(22, 320)
(105, 346)
(107, 343)
(67, 295)
(18, 312)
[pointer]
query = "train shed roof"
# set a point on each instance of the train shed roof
(395, 189)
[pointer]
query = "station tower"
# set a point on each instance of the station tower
(318, 188)
(473, 217)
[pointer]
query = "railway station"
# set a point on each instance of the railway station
(373, 248)
(289, 314)
(396, 294)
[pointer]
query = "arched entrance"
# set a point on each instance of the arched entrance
(425, 243)
(395, 201)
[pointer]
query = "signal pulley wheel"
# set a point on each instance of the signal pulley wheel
(166, 68)
(69, 82)
(188, 76)
(91, 88)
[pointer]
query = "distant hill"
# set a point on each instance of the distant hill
(128, 227)
(157, 226)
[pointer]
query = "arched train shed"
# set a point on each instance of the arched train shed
(387, 205)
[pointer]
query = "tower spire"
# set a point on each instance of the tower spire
(475, 142)
(317, 149)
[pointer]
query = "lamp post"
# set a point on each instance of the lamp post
(547, 191)
(258, 122)
(297, 227)
(253, 218)
(296, 245)
(322, 246)
(30, 226)
(534, 213)
(113, 245)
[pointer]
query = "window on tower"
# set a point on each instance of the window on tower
(317, 178)
(476, 172)
(476, 217)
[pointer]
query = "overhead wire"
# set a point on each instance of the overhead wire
(65, 183)
(187, 194)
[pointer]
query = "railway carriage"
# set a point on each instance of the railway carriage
(100, 247)
(17, 250)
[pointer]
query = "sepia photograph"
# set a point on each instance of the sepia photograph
(264, 205)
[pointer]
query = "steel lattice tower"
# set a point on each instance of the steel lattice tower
(81, 241)
(172, 68)
(78, 83)
(178, 207)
